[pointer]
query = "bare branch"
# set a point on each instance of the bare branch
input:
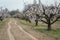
(55, 20)
(44, 21)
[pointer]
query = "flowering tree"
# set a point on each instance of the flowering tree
(50, 15)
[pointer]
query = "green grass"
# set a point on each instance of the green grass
(53, 33)
(27, 23)
(43, 29)
(2, 23)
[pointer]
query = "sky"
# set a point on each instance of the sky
(19, 4)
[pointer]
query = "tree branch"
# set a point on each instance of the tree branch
(55, 20)
(44, 21)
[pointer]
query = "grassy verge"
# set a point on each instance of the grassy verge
(42, 28)
(26, 23)
(2, 23)
(53, 33)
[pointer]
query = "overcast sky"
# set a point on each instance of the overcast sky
(19, 4)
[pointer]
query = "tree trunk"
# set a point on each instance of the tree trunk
(36, 21)
(49, 25)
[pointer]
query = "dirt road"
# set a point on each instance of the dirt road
(16, 32)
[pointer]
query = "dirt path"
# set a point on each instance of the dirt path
(9, 33)
(16, 32)
(36, 34)
(3, 31)
(26, 32)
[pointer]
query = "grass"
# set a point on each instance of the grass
(43, 28)
(26, 23)
(53, 33)
(2, 23)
